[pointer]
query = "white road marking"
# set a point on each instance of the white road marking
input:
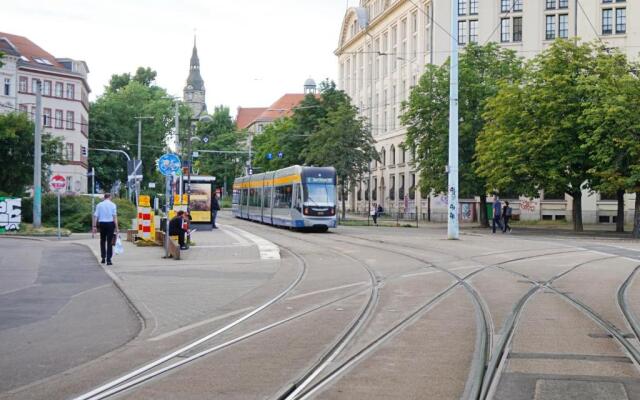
(268, 250)
(237, 237)
(438, 272)
(197, 324)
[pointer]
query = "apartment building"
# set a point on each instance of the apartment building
(385, 44)
(65, 100)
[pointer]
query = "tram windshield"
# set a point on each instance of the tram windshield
(320, 194)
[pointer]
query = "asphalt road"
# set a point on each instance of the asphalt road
(58, 310)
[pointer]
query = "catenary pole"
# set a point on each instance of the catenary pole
(37, 160)
(452, 195)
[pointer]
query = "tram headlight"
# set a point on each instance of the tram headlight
(306, 211)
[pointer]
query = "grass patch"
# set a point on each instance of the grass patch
(29, 230)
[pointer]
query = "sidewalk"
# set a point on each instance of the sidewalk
(223, 265)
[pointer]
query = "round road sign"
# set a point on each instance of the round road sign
(57, 183)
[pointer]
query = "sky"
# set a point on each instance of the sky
(251, 51)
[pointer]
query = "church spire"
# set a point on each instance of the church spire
(194, 92)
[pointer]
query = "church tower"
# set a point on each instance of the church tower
(194, 91)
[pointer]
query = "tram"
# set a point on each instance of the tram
(295, 197)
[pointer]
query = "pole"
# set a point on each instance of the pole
(250, 169)
(452, 195)
(93, 194)
(58, 215)
(168, 193)
(37, 160)
(177, 126)
(189, 169)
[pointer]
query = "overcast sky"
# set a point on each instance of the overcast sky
(251, 51)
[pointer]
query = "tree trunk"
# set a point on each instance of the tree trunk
(620, 217)
(484, 221)
(636, 217)
(577, 211)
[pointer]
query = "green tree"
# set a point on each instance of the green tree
(145, 76)
(612, 137)
(344, 142)
(534, 131)
(220, 135)
(16, 151)
(1, 57)
(113, 126)
(426, 116)
(278, 137)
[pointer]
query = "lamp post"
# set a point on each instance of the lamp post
(452, 194)
(37, 160)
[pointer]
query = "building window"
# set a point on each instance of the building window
(607, 21)
(563, 4)
(473, 31)
(394, 47)
(34, 86)
(517, 5)
(392, 155)
(69, 182)
(58, 92)
(550, 27)
(68, 155)
(551, 4)
(505, 6)
(7, 87)
(383, 157)
(621, 20)
(473, 7)
(403, 32)
(462, 7)
(462, 33)
(23, 83)
(46, 117)
(563, 26)
(46, 88)
(517, 29)
(385, 47)
(70, 124)
(23, 108)
(414, 35)
(58, 119)
(505, 29)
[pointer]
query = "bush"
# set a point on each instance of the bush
(75, 212)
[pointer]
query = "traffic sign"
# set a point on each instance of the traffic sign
(58, 183)
(134, 170)
(280, 154)
(269, 156)
(169, 164)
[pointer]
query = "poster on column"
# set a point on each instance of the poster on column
(200, 203)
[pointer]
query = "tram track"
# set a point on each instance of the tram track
(115, 386)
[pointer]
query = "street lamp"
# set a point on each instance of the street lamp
(204, 118)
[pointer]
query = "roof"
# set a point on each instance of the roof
(247, 116)
(283, 107)
(31, 53)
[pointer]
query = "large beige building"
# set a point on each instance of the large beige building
(384, 45)
(65, 100)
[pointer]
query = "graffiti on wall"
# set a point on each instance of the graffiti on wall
(10, 214)
(527, 205)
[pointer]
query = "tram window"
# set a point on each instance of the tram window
(254, 198)
(282, 198)
(244, 199)
(267, 197)
(296, 201)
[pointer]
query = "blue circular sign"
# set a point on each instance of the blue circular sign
(169, 164)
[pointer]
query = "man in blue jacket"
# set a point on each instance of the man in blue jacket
(497, 213)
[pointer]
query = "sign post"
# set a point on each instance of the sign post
(58, 183)
(169, 165)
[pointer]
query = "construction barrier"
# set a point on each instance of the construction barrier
(146, 228)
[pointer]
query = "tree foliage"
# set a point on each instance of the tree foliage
(144, 76)
(113, 125)
(426, 115)
(535, 132)
(221, 135)
(17, 153)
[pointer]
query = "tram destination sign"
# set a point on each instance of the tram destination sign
(320, 180)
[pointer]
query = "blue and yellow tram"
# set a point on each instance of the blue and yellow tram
(295, 197)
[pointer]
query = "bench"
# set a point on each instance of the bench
(174, 247)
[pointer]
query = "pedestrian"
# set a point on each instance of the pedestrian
(215, 207)
(379, 210)
(106, 218)
(506, 216)
(374, 213)
(177, 228)
(497, 213)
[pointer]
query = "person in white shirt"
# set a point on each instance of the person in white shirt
(106, 217)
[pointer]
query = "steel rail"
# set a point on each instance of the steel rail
(623, 303)
(95, 394)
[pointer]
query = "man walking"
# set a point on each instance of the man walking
(497, 214)
(506, 215)
(215, 207)
(106, 218)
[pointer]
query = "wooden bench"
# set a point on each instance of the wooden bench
(174, 247)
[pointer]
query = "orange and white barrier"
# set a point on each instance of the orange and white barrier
(146, 229)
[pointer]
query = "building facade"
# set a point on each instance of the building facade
(194, 92)
(65, 100)
(385, 44)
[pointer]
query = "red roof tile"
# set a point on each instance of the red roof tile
(282, 107)
(247, 116)
(31, 50)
